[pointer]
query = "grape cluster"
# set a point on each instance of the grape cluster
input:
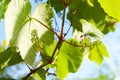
(35, 38)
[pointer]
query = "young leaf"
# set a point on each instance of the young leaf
(9, 57)
(68, 60)
(109, 26)
(98, 53)
(111, 7)
(91, 30)
(19, 26)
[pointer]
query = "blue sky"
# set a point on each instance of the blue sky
(2, 31)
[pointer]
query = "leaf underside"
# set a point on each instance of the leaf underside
(19, 27)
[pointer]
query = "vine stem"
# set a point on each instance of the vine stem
(58, 44)
(61, 38)
(34, 70)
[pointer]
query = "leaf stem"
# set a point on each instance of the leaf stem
(63, 21)
(28, 67)
(67, 31)
(34, 70)
(74, 44)
(56, 26)
(46, 27)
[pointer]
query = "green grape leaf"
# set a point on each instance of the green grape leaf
(109, 26)
(6, 79)
(9, 57)
(19, 27)
(1, 48)
(111, 7)
(3, 7)
(74, 4)
(88, 10)
(91, 30)
(30, 78)
(40, 74)
(98, 53)
(69, 59)
(56, 4)
(48, 50)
